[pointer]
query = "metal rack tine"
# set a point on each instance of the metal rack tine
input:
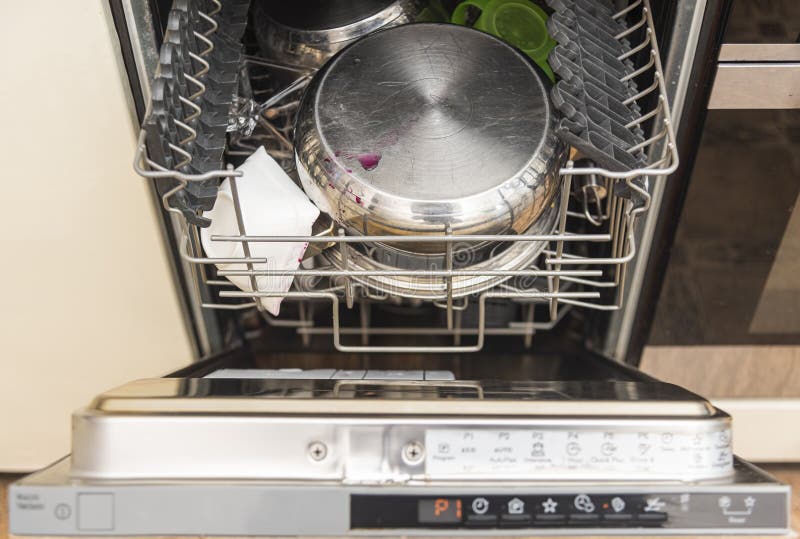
(209, 44)
(641, 70)
(626, 10)
(213, 26)
(194, 115)
(348, 285)
(206, 67)
(449, 279)
(201, 88)
(364, 318)
(527, 339)
(562, 228)
(631, 29)
(641, 46)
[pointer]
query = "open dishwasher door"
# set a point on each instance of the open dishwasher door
(244, 449)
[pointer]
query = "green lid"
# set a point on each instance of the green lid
(518, 22)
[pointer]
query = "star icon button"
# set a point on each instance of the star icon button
(549, 505)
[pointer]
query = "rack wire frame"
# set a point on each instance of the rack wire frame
(572, 280)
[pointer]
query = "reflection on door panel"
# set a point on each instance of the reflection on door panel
(733, 271)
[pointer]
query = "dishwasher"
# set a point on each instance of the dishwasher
(465, 368)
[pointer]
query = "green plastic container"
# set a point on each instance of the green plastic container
(433, 12)
(518, 22)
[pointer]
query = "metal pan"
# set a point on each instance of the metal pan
(306, 33)
(509, 256)
(428, 127)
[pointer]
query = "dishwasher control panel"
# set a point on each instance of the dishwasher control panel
(51, 503)
(579, 509)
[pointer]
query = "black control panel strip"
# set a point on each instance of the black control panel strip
(578, 510)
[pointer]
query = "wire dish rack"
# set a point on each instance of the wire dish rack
(583, 264)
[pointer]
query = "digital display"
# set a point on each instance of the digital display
(439, 511)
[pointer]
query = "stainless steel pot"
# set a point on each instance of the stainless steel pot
(425, 127)
(509, 256)
(306, 33)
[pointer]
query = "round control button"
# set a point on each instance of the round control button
(480, 506)
(62, 511)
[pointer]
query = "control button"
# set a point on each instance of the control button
(516, 506)
(550, 511)
(62, 511)
(651, 511)
(584, 509)
(729, 508)
(480, 506)
(517, 520)
(617, 504)
(617, 509)
(481, 521)
(515, 516)
(654, 504)
(584, 503)
(549, 506)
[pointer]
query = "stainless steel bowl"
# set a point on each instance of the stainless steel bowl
(425, 127)
(306, 33)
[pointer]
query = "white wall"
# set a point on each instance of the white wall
(86, 298)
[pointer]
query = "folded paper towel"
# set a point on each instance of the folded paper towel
(271, 205)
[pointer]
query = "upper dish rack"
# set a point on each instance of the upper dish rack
(221, 104)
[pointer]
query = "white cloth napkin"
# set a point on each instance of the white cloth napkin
(271, 205)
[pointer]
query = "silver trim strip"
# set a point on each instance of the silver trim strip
(760, 52)
(756, 86)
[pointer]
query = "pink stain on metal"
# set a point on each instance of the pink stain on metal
(369, 160)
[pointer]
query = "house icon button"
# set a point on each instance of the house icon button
(516, 506)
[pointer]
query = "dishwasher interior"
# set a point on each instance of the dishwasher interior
(360, 296)
(424, 376)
